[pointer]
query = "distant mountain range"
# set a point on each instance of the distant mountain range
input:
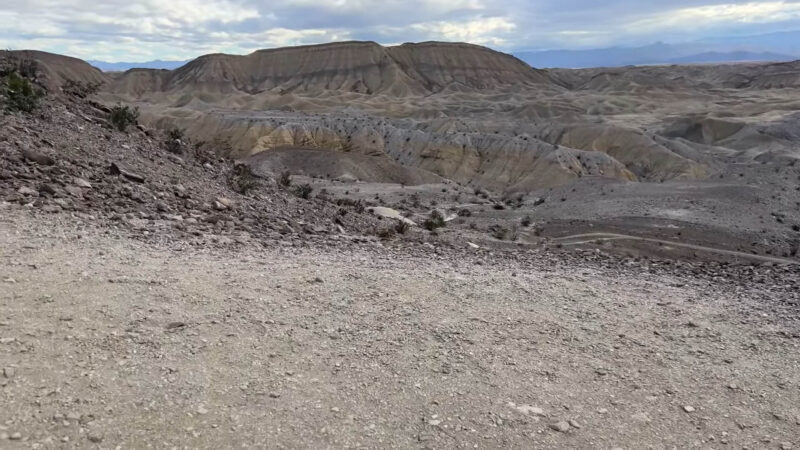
(123, 66)
(640, 56)
(782, 46)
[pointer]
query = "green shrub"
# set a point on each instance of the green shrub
(285, 179)
(19, 93)
(123, 116)
(242, 179)
(304, 191)
(401, 227)
(175, 141)
(80, 89)
(434, 221)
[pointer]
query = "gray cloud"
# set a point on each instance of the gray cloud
(150, 29)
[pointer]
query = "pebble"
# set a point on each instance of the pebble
(15, 436)
(688, 409)
(202, 410)
(561, 426)
(575, 424)
(94, 437)
(80, 182)
(9, 372)
(786, 446)
(528, 409)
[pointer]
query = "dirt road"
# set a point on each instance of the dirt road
(107, 342)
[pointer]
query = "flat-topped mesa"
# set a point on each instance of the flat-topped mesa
(361, 67)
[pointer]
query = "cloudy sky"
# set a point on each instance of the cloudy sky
(140, 30)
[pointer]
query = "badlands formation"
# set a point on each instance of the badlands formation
(702, 154)
(423, 246)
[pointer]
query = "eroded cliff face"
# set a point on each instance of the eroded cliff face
(467, 113)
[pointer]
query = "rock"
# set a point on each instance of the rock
(786, 446)
(95, 437)
(175, 325)
(73, 415)
(390, 213)
(641, 417)
(226, 201)
(538, 201)
(561, 426)
(15, 436)
(74, 191)
(38, 157)
(528, 409)
(575, 424)
(80, 182)
(118, 169)
(9, 372)
(48, 188)
(202, 410)
(688, 409)
(219, 206)
(24, 190)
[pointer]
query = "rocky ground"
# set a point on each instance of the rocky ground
(108, 341)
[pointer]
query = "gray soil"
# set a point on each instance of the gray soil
(110, 342)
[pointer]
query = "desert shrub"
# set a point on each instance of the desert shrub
(526, 221)
(174, 141)
(80, 89)
(19, 94)
(285, 179)
(434, 221)
(357, 205)
(304, 191)
(123, 116)
(502, 233)
(464, 212)
(386, 233)
(242, 179)
(401, 227)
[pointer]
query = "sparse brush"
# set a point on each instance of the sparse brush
(242, 179)
(357, 205)
(502, 233)
(304, 191)
(285, 179)
(123, 116)
(464, 212)
(18, 93)
(434, 221)
(386, 233)
(526, 221)
(401, 227)
(175, 142)
(80, 89)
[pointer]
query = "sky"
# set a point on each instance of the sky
(142, 30)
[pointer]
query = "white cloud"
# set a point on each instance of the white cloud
(150, 29)
(715, 15)
(489, 31)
